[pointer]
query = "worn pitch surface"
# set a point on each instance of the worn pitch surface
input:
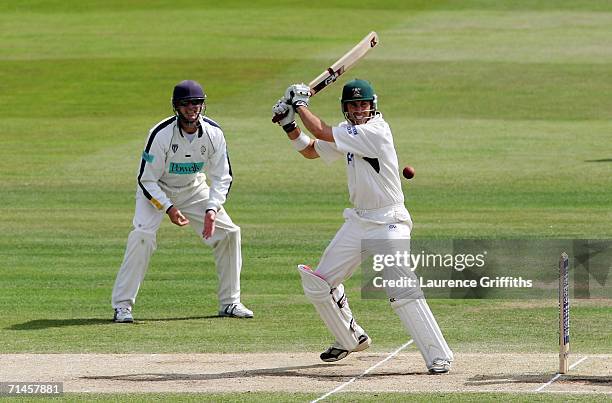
(303, 372)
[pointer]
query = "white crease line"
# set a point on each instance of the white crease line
(578, 362)
(548, 383)
(345, 384)
(557, 376)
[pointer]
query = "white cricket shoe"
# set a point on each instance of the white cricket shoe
(439, 366)
(123, 315)
(364, 342)
(335, 352)
(235, 311)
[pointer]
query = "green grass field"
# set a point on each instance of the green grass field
(503, 108)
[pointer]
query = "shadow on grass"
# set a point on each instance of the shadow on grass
(39, 324)
(600, 160)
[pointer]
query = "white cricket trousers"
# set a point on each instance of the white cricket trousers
(142, 243)
(358, 239)
(349, 247)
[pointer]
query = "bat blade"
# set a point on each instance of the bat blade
(341, 66)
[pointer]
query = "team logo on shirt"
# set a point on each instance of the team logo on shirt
(351, 130)
(185, 168)
(148, 157)
(350, 157)
(202, 150)
(174, 148)
(392, 227)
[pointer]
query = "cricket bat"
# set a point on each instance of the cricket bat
(342, 65)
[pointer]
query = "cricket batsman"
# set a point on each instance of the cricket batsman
(365, 143)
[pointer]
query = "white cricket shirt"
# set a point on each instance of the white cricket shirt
(371, 166)
(171, 161)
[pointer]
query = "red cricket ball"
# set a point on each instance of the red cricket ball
(408, 172)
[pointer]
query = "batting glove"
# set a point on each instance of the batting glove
(284, 115)
(298, 95)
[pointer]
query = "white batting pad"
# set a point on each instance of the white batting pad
(335, 312)
(341, 299)
(418, 319)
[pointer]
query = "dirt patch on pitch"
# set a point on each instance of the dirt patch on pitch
(303, 372)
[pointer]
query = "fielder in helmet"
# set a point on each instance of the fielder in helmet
(188, 103)
(184, 173)
(378, 223)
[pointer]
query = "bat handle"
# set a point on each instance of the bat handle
(277, 118)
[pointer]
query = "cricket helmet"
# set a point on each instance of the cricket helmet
(358, 90)
(188, 90)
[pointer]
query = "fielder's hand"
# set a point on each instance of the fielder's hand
(177, 217)
(298, 95)
(209, 224)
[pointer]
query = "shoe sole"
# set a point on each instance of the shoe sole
(225, 315)
(363, 345)
(127, 320)
(360, 347)
(342, 355)
(440, 367)
(439, 370)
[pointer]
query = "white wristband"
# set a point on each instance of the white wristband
(301, 142)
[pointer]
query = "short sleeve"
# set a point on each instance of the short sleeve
(363, 140)
(327, 151)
